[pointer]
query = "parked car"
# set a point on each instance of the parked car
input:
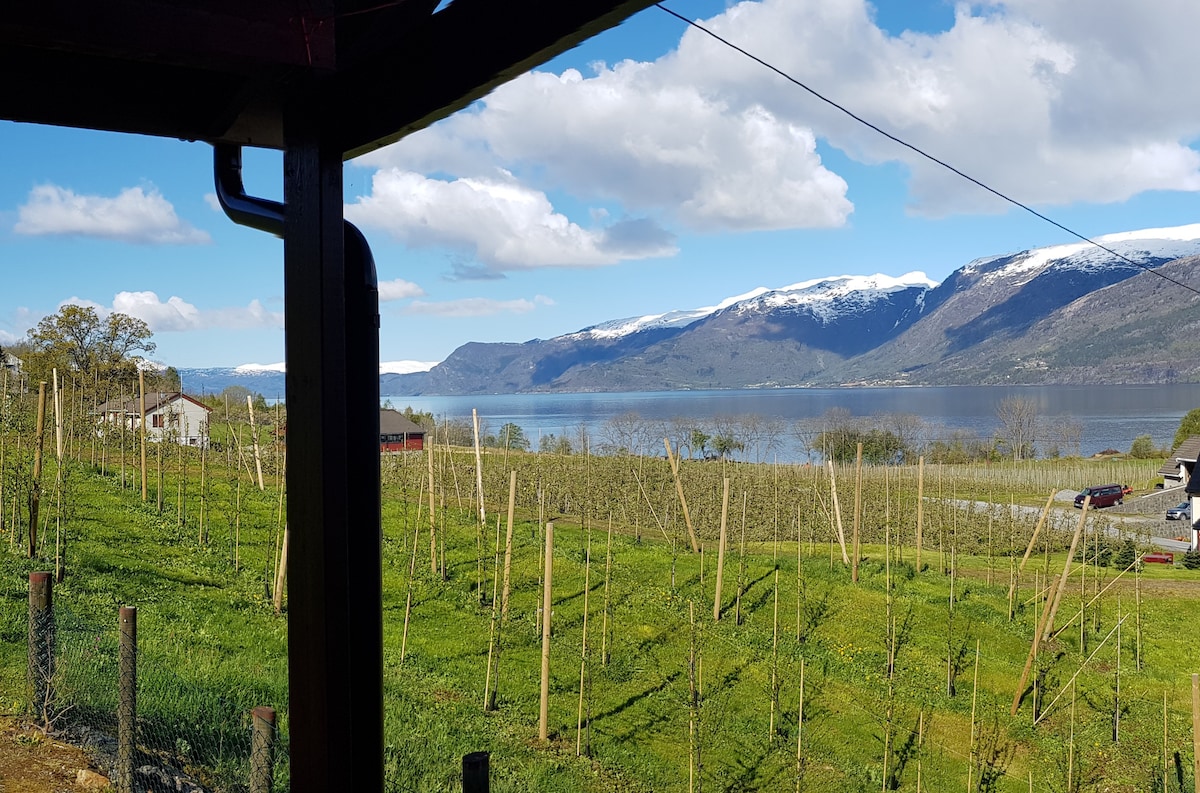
(1181, 512)
(1102, 495)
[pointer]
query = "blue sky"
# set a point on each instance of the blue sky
(648, 170)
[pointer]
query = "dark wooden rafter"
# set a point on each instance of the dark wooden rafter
(221, 71)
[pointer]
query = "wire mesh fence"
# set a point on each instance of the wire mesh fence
(155, 710)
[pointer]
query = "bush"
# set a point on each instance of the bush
(1191, 560)
(1142, 448)
(1124, 556)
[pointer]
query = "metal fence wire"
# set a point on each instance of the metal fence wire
(154, 711)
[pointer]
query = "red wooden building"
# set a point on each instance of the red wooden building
(399, 433)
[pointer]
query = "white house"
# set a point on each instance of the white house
(174, 417)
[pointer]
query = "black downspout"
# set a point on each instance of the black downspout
(335, 614)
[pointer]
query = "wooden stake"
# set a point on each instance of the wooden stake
(687, 515)
(693, 752)
(1033, 649)
(721, 552)
(583, 654)
(412, 569)
(254, 439)
(837, 513)
(281, 571)
(433, 556)
(920, 745)
(544, 711)
(974, 698)
(920, 516)
(741, 566)
(1062, 579)
(857, 512)
(482, 510)
(607, 576)
(1196, 731)
(774, 665)
(800, 731)
(142, 428)
(1071, 745)
(1166, 755)
(35, 487)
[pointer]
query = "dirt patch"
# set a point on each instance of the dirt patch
(33, 762)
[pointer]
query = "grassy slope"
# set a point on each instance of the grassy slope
(211, 649)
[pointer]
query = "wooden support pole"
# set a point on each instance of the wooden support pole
(837, 514)
(547, 602)
(281, 572)
(262, 750)
(920, 508)
(721, 552)
(42, 645)
(1048, 628)
(127, 699)
(857, 553)
(254, 441)
(1033, 650)
(35, 487)
(142, 430)
(687, 515)
(1196, 731)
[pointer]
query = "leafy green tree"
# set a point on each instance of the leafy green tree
(724, 445)
(1189, 426)
(879, 446)
(554, 444)
(77, 339)
(1142, 448)
(511, 436)
(698, 443)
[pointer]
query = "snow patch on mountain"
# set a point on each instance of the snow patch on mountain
(260, 368)
(829, 298)
(1140, 246)
(406, 367)
(385, 367)
(617, 328)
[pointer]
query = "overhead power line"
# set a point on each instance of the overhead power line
(922, 152)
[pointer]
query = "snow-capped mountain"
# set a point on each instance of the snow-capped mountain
(976, 326)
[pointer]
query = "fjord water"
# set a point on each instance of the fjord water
(1110, 416)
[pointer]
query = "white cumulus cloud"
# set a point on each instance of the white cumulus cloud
(1033, 97)
(476, 307)
(500, 223)
(176, 314)
(398, 289)
(134, 215)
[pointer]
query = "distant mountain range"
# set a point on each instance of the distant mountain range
(1058, 315)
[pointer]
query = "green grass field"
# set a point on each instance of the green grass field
(211, 648)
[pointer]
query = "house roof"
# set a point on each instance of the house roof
(225, 70)
(393, 422)
(1188, 451)
(153, 402)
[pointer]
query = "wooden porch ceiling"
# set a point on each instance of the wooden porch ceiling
(224, 70)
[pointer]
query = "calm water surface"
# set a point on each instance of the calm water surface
(1110, 416)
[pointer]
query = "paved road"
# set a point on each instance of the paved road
(1065, 518)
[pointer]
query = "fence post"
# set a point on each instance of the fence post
(41, 644)
(262, 750)
(127, 704)
(475, 772)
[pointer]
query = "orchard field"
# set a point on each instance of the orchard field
(903, 679)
